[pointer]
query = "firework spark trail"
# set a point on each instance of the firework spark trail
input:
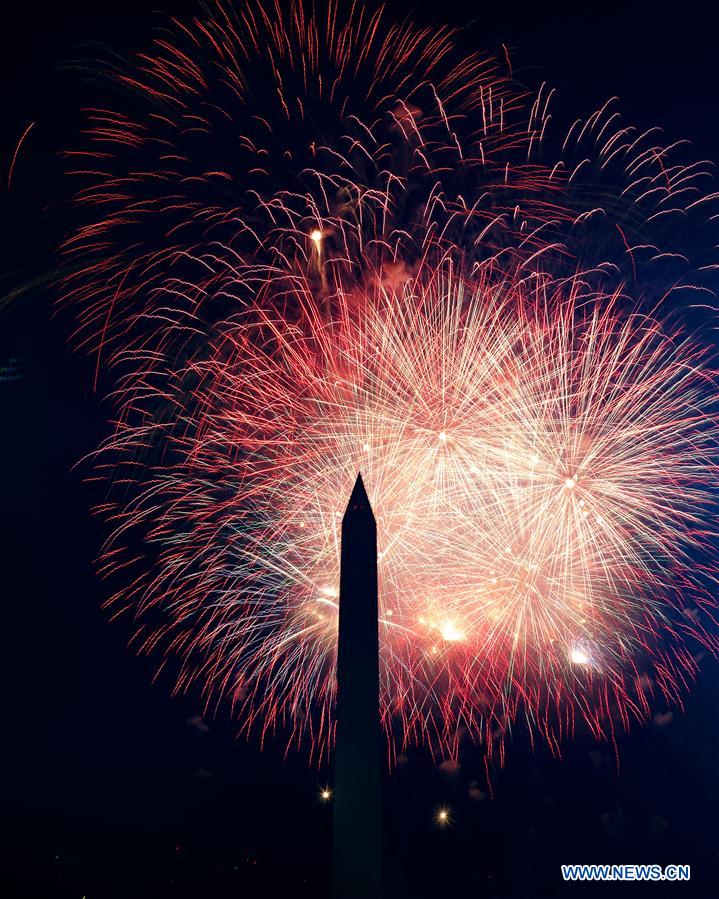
(15, 155)
(540, 467)
(321, 242)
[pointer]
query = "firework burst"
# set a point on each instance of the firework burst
(540, 467)
(287, 137)
(317, 242)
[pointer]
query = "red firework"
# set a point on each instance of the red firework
(540, 468)
(320, 242)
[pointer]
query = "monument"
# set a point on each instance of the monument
(357, 813)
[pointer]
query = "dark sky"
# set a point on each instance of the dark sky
(116, 789)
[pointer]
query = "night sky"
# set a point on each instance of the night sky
(116, 789)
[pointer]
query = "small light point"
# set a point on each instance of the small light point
(451, 633)
(578, 656)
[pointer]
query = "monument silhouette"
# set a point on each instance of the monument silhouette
(357, 812)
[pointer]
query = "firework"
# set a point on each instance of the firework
(540, 467)
(278, 137)
(317, 242)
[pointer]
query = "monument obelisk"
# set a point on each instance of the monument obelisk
(357, 813)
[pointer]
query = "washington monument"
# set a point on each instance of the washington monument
(357, 820)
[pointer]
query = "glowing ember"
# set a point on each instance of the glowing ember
(579, 656)
(451, 632)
